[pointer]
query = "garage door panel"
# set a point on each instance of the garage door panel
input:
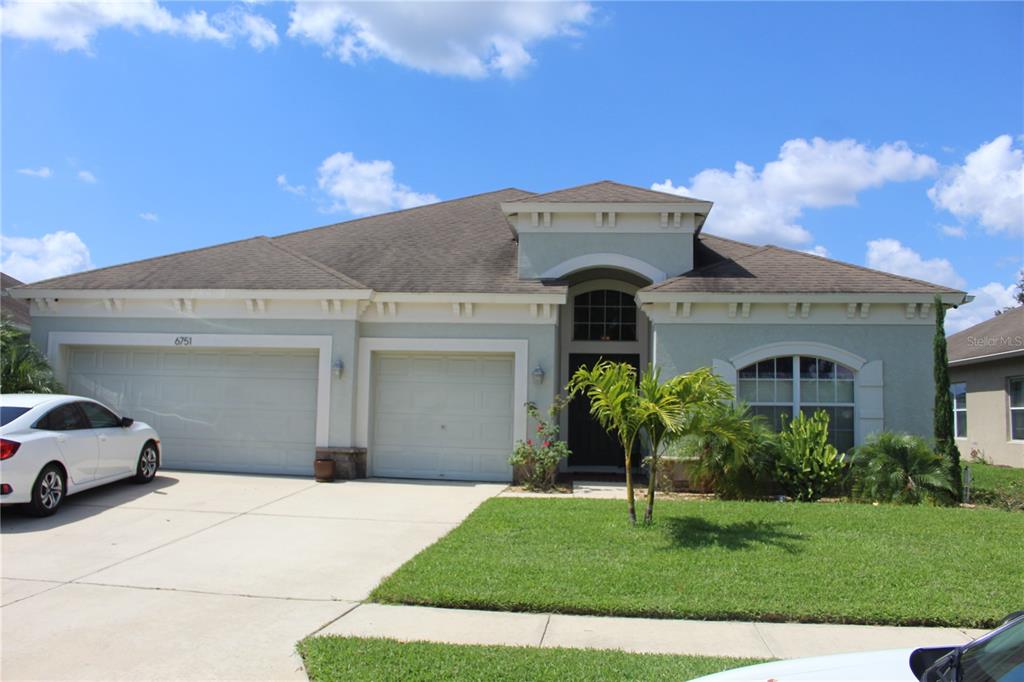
(442, 415)
(223, 410)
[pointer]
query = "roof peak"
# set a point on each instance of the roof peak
(608, 191)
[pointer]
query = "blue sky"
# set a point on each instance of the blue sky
(880, 134)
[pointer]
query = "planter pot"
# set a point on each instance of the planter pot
(323, 470)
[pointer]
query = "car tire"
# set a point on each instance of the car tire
(49, 491)
(149, 462)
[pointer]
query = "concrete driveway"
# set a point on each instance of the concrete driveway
(205, 576)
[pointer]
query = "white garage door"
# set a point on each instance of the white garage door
(442, 415)
(215, 409)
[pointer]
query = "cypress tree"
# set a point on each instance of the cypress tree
(943, 414)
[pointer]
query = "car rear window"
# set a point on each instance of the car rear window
(9, 414)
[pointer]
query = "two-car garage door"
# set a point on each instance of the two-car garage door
(442, 415)
(237, 410)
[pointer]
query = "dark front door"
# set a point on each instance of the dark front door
(591, 445)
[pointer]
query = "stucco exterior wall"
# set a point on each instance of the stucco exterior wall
(988, 426)
(904, 351)
(671, 253)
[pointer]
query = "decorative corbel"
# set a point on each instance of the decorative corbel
(805, 309)
(732, 309)
(745, 310)
(791, 310)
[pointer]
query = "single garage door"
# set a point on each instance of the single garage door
(215, 409)
(442, 415)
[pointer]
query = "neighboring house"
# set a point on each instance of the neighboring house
(16, 310)
(986, 375)
(420, 334)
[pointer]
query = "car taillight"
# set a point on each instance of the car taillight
(8, 448)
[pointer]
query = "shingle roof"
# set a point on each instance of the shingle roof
(772, 269)
(997, 337)
(607, 191)
(10, 307)
(464, 245)
(256, 263)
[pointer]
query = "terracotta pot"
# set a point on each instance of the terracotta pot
(323, 470)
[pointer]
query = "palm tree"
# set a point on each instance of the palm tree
(899, 467)
(734, 449)
(614, 402)
(23, 369)
(672, 410)
(660, 411)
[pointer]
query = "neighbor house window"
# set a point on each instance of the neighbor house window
(604, 315)
(1016, 388)
(781, 386)
(959, 392)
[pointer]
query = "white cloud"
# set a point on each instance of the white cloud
(363, 187)
(86, 176)
(150, 216)
(766, 205)
(892, 256)
(817, 250)
(954, 231)
(987, 300)
(72, 24)
(988, 187)
(52, 255)
(282, 182)
(473, 40)
(41, 172)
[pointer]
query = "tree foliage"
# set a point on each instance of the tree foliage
(23, 369)
(943, 411)
(899, 467)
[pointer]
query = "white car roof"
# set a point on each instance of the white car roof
(34, 399)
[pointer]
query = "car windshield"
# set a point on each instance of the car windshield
(9, 414)
(996, 659)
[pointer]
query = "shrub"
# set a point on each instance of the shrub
(538, 460)
(734, 452)
(807, 466)
(901, 468)
(23, 369)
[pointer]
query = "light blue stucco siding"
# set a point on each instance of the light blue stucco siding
(905, 353)
(669, 253)
(342, 333)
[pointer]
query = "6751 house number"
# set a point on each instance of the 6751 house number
(183, 341)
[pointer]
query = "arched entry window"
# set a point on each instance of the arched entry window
(782, 385)
(604, 315)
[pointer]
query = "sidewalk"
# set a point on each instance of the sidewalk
(641, 635)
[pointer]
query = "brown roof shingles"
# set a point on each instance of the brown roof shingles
(772, 269)
(256, 263)
(994, 338)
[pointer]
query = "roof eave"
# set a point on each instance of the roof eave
(991, 357)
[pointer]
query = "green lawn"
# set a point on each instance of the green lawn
(767, 561)
(354, 658)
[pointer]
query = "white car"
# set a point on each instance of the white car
(52, 446)
(995, 657)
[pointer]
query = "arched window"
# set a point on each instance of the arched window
(604, 315)
(782, 385)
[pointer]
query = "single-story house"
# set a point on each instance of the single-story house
(420, 334)
(986, 375)
(13, 309)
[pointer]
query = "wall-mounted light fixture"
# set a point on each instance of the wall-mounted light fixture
(338, 368)
(538, 374)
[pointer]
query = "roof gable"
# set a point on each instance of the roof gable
(992, 338)
(607, 191)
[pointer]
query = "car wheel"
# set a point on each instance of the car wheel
(48, 492)
(149, 462)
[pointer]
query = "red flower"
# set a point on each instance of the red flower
(539, 428)
(547, 444)
(529, 442)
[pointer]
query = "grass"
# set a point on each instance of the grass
(354, 658)
(997, 486)
(765, 561)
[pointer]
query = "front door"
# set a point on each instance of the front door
(591, 445)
